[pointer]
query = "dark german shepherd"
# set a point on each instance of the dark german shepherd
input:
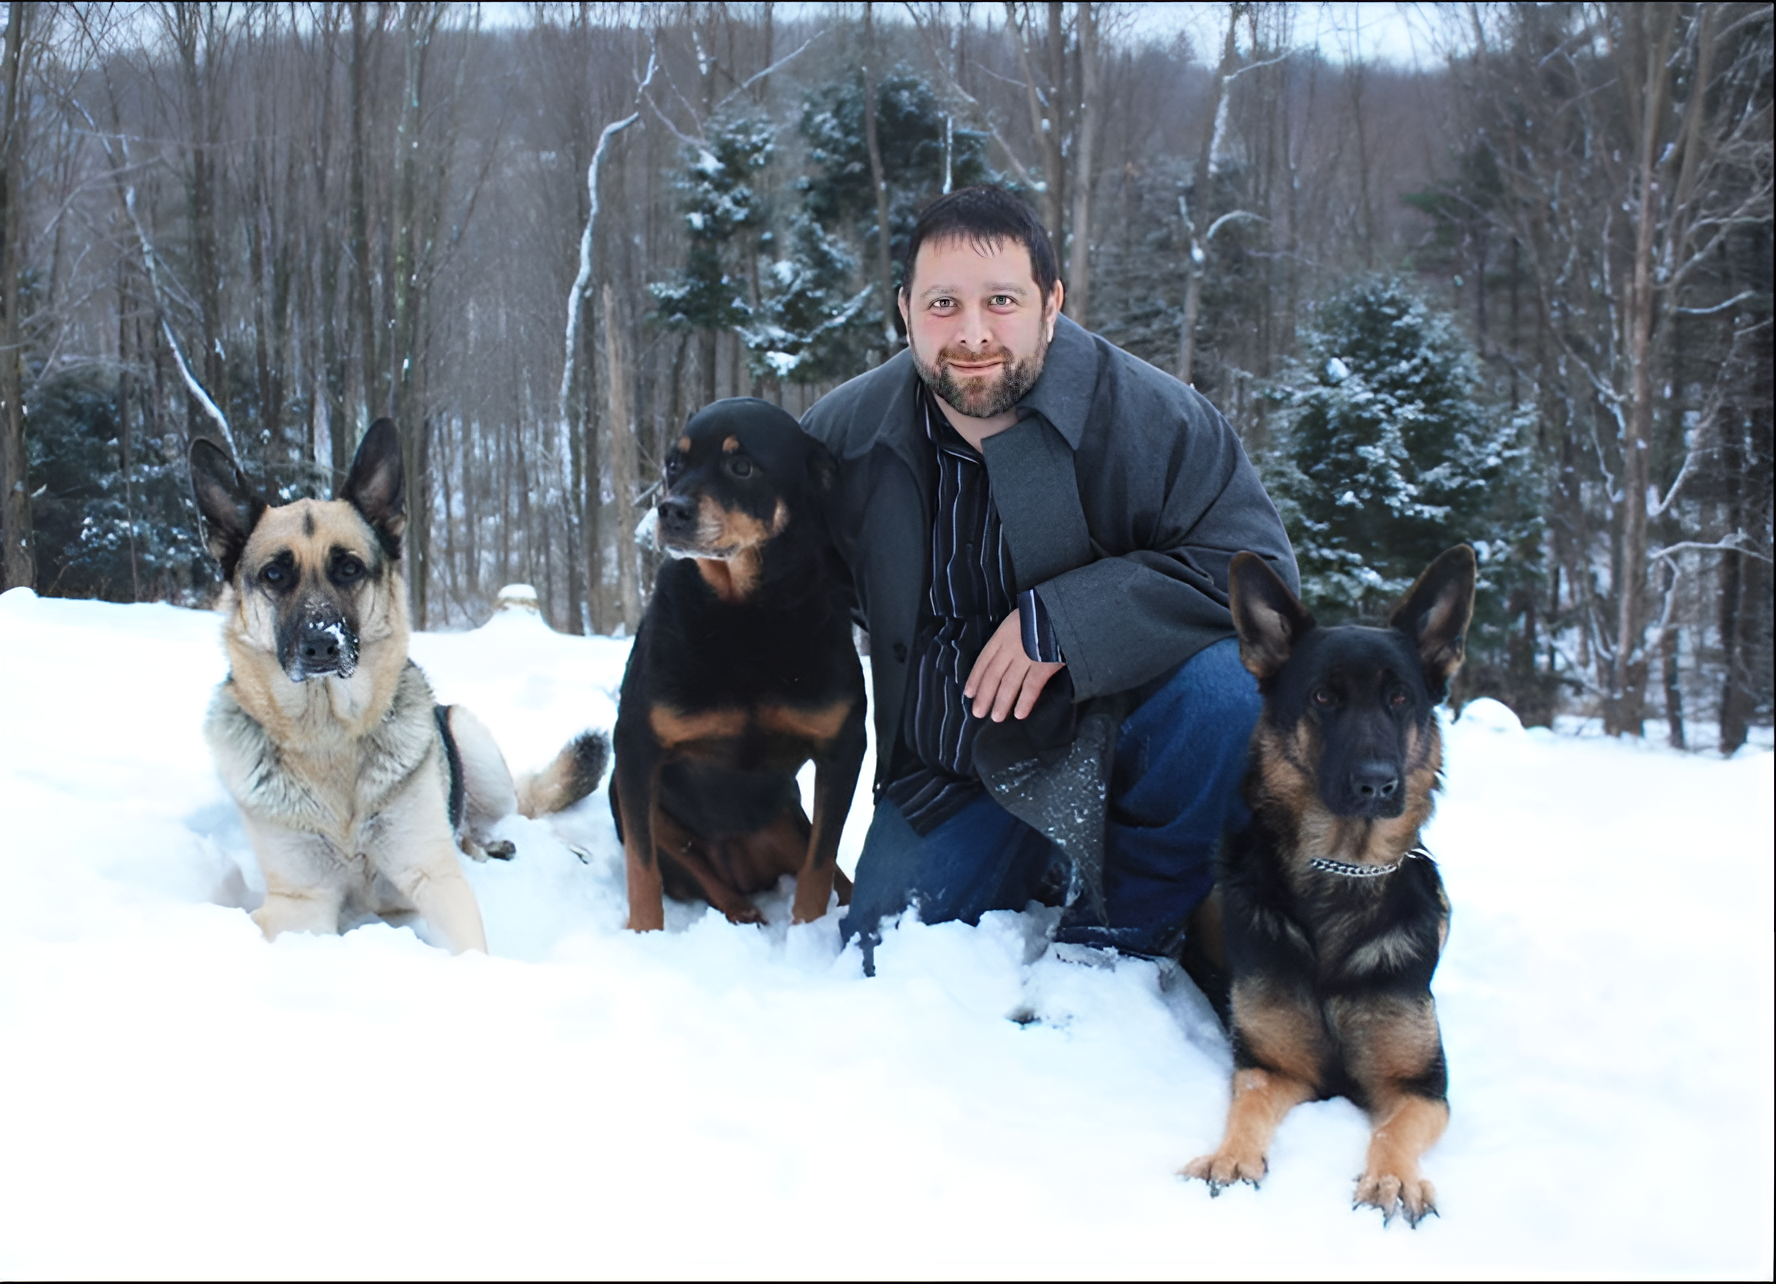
(1333, 914)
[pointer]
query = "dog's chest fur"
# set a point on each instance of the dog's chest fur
(301, 788)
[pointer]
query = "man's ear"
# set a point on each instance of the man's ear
(229, 507)
(1269, 619)
(1057, 299)
(376, 486)
(906, 320)
(1435, 613)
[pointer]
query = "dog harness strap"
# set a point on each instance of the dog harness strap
(1347, 870)
(454, 757)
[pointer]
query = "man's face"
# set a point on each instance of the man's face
(976, 324)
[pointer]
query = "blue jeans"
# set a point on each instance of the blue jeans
(1174, 784)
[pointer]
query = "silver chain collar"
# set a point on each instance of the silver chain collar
(1347, 870)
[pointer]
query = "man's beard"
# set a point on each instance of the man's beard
(982, 396)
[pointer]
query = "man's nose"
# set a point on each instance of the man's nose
(974, 327)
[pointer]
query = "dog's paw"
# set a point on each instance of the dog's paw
(1224, 1168)
(747, 913)
(502, 849)
(1413, 1198)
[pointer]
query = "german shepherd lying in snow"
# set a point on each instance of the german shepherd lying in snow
(1334, 917)
(354, 785)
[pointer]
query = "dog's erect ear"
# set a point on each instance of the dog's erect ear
(1435, 615)
(377, 487)
(1269, 618)
(230, 508)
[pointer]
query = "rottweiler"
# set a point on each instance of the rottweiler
(742, 671)
(1332, 913)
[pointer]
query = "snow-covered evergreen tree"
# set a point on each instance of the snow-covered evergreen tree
(812, 325)
(1389, 456)
(719, 205)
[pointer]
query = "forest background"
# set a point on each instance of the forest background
(1515, 290)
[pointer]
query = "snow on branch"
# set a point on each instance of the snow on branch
(192, 385)
(151, 263)
(1731, 544)
(583, 280)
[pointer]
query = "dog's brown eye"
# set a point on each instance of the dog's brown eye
(740, 465)
(1322, 697)
(346, 569)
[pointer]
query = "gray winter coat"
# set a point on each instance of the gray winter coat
(1123, 494)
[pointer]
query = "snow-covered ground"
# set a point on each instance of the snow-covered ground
(177, 1097)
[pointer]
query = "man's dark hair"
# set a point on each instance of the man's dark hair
(984, 216)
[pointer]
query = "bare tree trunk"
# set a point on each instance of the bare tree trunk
(1198, 213)
(1626, 706)
(1084, 142)
(18, 565)
(375, 375)
(622, 457)
(884, 271)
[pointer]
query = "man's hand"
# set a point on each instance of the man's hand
(1003, 674)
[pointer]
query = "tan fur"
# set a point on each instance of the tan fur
(1406, 1127)
(1283, 1031)
(1260, 1100)
(675, 729)
(733, 578)
(819, 725)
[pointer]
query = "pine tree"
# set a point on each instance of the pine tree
(104, 530)
(720, 207)
(1388, 457)
(813, 326)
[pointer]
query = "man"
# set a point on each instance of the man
(1039, 527)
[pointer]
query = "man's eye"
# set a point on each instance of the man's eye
(1002, 301)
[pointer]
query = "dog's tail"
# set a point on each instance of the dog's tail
(576, 771)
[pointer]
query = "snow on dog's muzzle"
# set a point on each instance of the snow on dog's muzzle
(324, 645)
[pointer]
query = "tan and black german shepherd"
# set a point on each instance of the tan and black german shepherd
(355, 787)
(1333, 915)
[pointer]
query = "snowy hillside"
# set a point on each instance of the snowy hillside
(177, 1097)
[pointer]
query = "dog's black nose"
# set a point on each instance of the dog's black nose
(320, 646)
(1375, 781)
(678, 513)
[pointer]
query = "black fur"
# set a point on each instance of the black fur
(784, 643)
(230, 507)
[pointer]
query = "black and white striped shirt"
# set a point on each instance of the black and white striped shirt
(971, 593)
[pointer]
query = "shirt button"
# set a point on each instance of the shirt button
(900, 652)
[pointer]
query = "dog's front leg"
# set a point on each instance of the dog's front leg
(835, 781)
(299, 909)
(444, 898)
(634, 783)
(303, 887)
(1260, 1100)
